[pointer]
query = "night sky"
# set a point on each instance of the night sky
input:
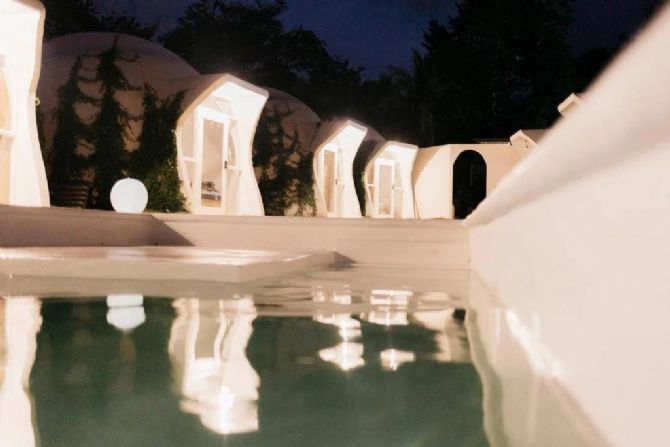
(378, 33)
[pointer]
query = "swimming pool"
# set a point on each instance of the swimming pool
(341, 356)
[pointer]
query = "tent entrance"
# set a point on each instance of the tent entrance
(217, 174)
(330, 180)
(6, 137)
(385, 188)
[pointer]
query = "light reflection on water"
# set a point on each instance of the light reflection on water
(327, 366)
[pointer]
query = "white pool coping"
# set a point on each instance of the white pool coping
(158, 263)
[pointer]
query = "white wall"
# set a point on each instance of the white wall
(407, 243)
(434, 169)
(576, 244)
(21, 29)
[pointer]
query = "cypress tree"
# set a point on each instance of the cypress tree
(65, 164)
(155, 160)
(110, 129)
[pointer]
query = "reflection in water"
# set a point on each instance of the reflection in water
(19, 320)
(213, 372)
(390, 307)
(207, 345)
(126, 312)
(94, 385)
(393, 358)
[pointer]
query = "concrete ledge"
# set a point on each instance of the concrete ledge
(67, 227)
(158, 263)
(416, 243)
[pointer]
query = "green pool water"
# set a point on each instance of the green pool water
(380, 368)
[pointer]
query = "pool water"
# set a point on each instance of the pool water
(290, 362)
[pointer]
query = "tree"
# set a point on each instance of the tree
(110, 129)
(66, 163)
(155, 160)
(286, 180)
(416, 91)
(78, 16)
(503, 65)
(248, 39)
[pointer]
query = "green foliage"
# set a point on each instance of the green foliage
(155, 160)
(503, 65)
(109, 130)
(66, 163)
(286, 181)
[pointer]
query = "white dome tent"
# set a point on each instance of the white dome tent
(22, 175)
(388, 181)
(336, 145)
(214, 130)
(214, 142)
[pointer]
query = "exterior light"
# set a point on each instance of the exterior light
(129, 196)
(126, 312)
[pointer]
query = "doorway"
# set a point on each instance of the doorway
(469, 187)
(385, 179)
(217, 173)
(330, 172)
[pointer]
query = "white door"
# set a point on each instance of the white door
(384, 188)
(216, 176)
(329, 170)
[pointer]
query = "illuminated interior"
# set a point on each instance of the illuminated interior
(389, 182)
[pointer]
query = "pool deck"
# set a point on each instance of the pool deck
(434, 244)
(158, 263)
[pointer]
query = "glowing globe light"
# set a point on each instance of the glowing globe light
(126, 312)
(129, 196)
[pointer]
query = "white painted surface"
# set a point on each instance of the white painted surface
(434, 169)
(524, 404)
(22, 175)
(412, 243)
(575, 242)
(158, 263)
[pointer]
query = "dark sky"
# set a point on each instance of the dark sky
(378, 33)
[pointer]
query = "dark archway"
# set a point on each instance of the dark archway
(469, 187)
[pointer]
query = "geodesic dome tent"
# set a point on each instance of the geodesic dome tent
(216, 115)
(22, 175)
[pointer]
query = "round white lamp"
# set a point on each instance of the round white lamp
(126, 312)
(129, 196)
